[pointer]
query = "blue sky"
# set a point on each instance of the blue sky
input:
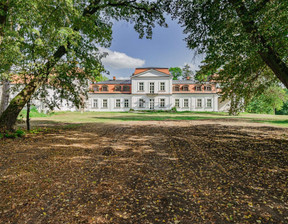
(166, 49)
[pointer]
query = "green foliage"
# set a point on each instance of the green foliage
(57, 42)
(176, 72)
(15, 134)
(187, 72)
(174, 109)
(269, 101)
(33, 113)
(245, 42)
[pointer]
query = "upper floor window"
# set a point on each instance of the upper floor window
(117, 88)
(105, 103)
(176, 88)
(209, 103)
(185, 88)
(208, 88)
(141, 86)
(95, 103)
(198, 88)
(177, 103)
(126, 88)
(199, 103)
(126, 103)
(95, 88)
(118, 103)
(152, 87)
(104, 88)
(162, 86)
(162, 103)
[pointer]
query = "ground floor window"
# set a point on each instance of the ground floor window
(95, 103)
(162, 103)
(209, 103)
(186, 103)
(126, 103)
(118, 103)
(141, 103)
(105, 103)
(199, 103)
(177, 103)
(152, 104)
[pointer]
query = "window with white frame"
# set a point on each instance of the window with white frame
(141, 103)
(117, 103)
(95, 103)
(152, 87)
(198, 88)
(199, 103)
(177, 103)
(141, 86)
(208, 88)
(162, 86)
(209, 103)
(105, 103)
(117, 88)
(186, 103)
(126, 103)
(162, 103)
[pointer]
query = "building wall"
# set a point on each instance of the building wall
(111, 102)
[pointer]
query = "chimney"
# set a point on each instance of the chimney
(114, 78)
(188, 77)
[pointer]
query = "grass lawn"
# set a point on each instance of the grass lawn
(108, 117)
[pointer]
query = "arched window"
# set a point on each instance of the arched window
(198, 88)
(105, 88)
(207, 88)
(117, 88)
(176, 88)
(185, 88)
(126, 88)
(95, 88)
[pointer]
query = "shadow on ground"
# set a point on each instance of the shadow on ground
(120, 173)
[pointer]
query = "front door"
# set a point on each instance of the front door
(152, 104)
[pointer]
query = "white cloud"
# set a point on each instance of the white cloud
(118, 60)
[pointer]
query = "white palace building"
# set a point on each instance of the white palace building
(154, 89)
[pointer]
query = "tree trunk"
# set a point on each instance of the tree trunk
(9, 116)
(28, 115)
(5, 95)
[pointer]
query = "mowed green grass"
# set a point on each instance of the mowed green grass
(110, 117)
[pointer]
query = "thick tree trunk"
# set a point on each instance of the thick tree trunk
(9, 116)
(5, 95)
(267, 53)
(28, 115)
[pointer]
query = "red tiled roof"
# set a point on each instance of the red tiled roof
(140, 70)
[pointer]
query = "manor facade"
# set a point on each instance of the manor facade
(153, 89)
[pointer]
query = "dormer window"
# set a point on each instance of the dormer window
(117, 88)
(95, 88)
(105, 88)
(176, 88)
(208, 88)
(186, 88)
(198, 88)
(126, 88)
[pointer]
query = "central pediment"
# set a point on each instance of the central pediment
(151, 72)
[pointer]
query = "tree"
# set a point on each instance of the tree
(176, 72)
(60, 42)
(245, 42)
(272, 99)
(187, 72)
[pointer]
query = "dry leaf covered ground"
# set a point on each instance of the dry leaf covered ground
(146, 172)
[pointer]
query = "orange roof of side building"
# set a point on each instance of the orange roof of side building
(140, 70)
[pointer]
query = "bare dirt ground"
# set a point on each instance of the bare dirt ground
(146, 172)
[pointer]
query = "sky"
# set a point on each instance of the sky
(166, 49)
